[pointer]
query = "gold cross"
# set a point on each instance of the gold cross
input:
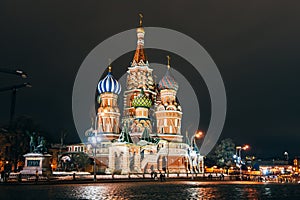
(141, 19)
(109, 65)
(169, 58)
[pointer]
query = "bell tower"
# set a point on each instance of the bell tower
(108, 115)
(168, 111)
(139, 76)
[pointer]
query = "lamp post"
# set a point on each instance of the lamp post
(238, 150)
(95, 176)
(14, 90)
(198, 134)
(94, 144)
(167, 161)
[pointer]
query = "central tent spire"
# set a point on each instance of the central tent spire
(140, 56)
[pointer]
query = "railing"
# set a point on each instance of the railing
(171, 151)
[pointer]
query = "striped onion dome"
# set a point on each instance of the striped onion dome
(109, 84)
(168, 82)
(142, 101)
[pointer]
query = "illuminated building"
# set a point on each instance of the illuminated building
(150, 138)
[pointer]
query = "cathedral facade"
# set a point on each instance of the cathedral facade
(146, 136)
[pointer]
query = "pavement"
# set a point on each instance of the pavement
(84, 178)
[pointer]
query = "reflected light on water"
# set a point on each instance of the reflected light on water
(153, 190)
(268, 192)
(251, 193)
(225, 190)
(202, 193)
(200, 190)
(89, 192)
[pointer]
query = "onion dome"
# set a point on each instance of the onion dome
(142, 101)
(168, 81)
(109, 84)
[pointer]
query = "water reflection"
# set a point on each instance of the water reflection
(267, 192)
(202, 193)
(153, 190)
(236, 190)
(250, 193)
(109, 191)
(86, 192)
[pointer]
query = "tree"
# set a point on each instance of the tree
(13, 145)
(16, 139)
(223, 154)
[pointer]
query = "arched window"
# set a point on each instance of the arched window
(171, 107)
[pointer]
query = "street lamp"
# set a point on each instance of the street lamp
(195, 151)
(94, 144)
(238, 150)
(198, 134)
(14, 89)
(17, 72)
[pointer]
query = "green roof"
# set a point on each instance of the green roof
(142, 101)
(124, 136)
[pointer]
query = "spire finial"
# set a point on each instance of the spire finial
(109, 65)
(169, 58)
(141, 19)
(139, 54)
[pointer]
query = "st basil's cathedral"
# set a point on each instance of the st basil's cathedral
(146, 137)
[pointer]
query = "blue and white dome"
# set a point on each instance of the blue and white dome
(109, 84)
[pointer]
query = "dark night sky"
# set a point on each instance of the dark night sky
(254, 44)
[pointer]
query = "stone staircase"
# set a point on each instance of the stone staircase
(148, 159)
